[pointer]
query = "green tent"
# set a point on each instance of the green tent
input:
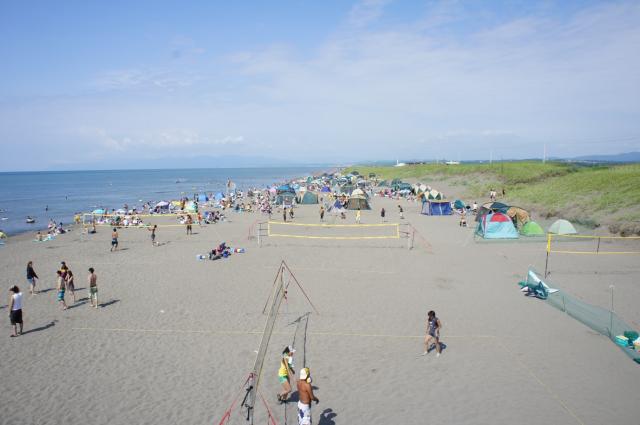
(562, 227)
(459, 205)
(531, 228)
(309, 198)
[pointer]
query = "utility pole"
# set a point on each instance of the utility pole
(544, 154)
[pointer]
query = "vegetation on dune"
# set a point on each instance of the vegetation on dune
(590, 195)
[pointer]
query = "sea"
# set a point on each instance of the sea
(58, 195)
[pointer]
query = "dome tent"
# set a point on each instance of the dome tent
(562, 227)
(358, 201)
(496, 226)
(309, 198)
(435, 207)
(531, 228)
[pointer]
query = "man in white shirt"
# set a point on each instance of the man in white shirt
(15, 310)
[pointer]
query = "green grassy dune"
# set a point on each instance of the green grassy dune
(589, 195)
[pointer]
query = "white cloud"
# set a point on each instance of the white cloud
(366, 11)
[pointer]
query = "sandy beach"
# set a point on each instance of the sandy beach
(174, 337)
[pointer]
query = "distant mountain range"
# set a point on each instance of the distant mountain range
(621, 157)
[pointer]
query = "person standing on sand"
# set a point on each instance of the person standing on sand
(401, 211)
(114, 239)
(284, 214)
(321, 213)
(15, 310)
(60, 287)
(189, 224)
(382, 214)
(153, 234)
(32, 277)
(92, 279)
(284, 373)
(358, 216)
(70, 286)
(305, 397)
(433, 333)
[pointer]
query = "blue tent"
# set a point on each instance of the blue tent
(434, 207)
(325, 189)
(219, 196)
(338, 204)
(285, 188)
(496, 226)
(203, 197)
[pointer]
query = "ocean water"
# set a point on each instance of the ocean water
(59, 195)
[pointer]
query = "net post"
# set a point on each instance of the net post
(260, 235)
(546, 262)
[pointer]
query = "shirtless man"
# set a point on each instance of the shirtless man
(114, 239)
(305, 395)
(92, 279)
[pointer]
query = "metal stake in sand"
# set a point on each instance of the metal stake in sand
(611, 287)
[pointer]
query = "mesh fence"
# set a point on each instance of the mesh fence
(601, 320)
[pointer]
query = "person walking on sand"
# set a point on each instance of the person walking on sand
(358, 216)
(284, 215)
(32, 277)
(433, 333)
(322, 213)
(305, 397)
(285, 372)
(60, 287)
(153, 234)
(114, 239)
(401, 211)
(15, 310)
(189, 224)
(382, 214)
(70, 285)
(92, 279)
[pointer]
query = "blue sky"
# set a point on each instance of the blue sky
(92, 84)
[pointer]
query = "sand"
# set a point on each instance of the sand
(174, 338)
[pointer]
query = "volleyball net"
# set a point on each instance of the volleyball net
(588, 245)
(334, 231)
(593, 245)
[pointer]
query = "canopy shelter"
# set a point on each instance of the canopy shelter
(531, 228)
(562, 227)
(436, 207)
(496, 226)
(309, 198)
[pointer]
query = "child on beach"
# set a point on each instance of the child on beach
(60, 287)
(93, 288)
(32, 277)
(153, 234)
(114, 239)
(433, 333)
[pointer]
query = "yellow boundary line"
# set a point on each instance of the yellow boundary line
(553, 235)
(282, 223)
(332, 237)
(596, 253)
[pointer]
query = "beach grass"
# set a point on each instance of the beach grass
(590, 195)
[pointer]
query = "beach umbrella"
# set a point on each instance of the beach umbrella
(162, 204)
(98, 211)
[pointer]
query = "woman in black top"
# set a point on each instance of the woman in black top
(31, 278)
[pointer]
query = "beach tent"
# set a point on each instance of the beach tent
(436, 207)
(459, 205)
(359, 192)
(434, 194)
(98, 211)
(358, 201)
(309, 198)
(202, 197)
(396, 181)
(491, 207)
(383, 183)
(285, 188)
(518, 215)
(496, 226)
(531, 228)
(325, 189)
(219, 196)
(286, 198)
(562, 227)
